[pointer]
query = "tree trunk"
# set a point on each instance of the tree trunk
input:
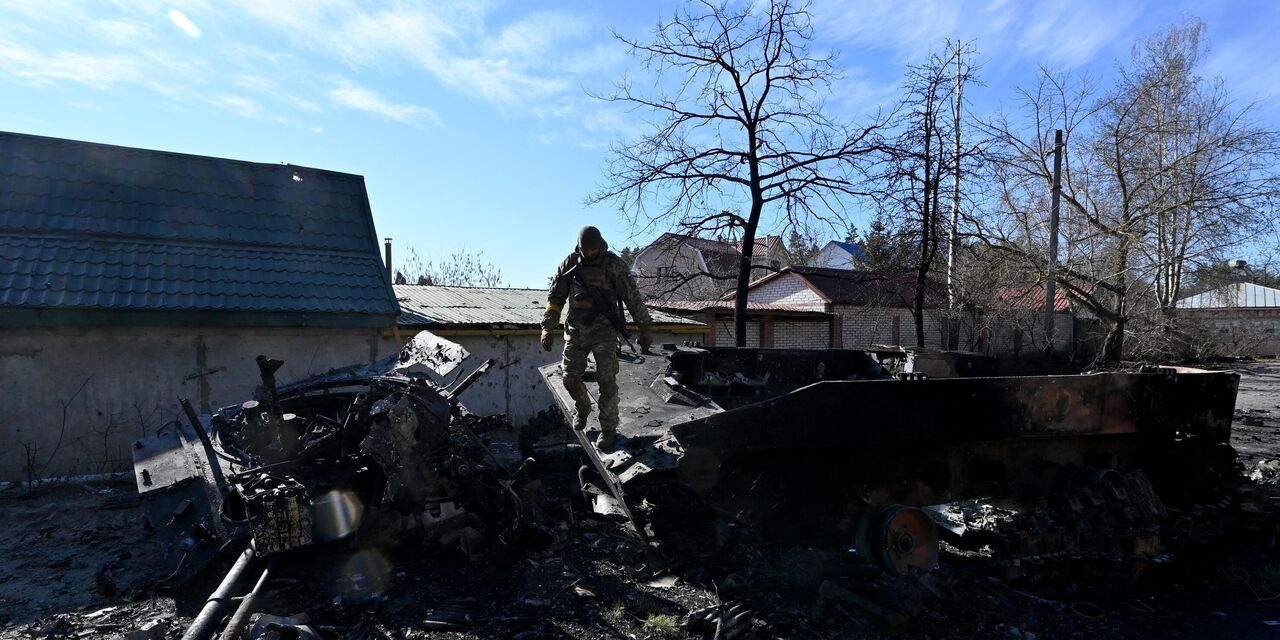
(922, 274)
(1113, 346)
(744, 275)
(748, 242)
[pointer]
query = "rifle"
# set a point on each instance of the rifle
(603, 305)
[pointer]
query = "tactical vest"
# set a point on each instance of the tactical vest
(597, 275)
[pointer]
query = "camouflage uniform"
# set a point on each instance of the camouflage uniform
(587, 330)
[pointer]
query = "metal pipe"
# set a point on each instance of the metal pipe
(241, 617)
(267, 369)
(206, 622)
(469, 380)
(215, 467)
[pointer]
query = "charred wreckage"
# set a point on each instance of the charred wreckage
(1103, 474)
(384, 450)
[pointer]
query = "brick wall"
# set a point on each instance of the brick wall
(1011, 335)
(864, 326)
(802, 334)
(724, 332)
(789, 289)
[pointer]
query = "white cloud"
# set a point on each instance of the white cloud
(351, 95)
(120, 32)
(238, 105)
(184, 23)
(451, 43)
(1063, 32)
(97, 71)
(269, 87)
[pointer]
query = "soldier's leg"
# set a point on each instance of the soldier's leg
(606, 355)
(574, 363)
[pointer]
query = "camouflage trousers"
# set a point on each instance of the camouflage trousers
(601, 339)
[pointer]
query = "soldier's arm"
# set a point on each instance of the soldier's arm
(556, 297)
(625, 285)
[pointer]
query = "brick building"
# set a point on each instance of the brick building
(819, 308)
(768, 325)
(682, 267)
(1241, 318)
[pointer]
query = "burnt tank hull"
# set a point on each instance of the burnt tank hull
(799, 445)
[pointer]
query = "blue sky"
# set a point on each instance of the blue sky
(470, 120)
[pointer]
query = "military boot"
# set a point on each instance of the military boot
(606, 439)
(580, 418)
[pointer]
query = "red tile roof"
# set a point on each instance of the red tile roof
(727, 305)
(1028, 299)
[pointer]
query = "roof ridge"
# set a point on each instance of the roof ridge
(73, 142)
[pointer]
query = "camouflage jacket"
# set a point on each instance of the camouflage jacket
(608, 274)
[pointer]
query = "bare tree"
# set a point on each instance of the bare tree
(1159, 172)
(922, 157)
(460, 269)
(738, 126)
(1212, 171)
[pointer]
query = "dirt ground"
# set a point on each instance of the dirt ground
(77, 562)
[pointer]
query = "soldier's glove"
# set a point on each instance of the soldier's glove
(646, 341)
(546, 340)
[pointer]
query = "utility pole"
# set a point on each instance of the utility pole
(955, 191)
(1050, 284)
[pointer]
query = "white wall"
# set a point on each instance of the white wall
(1236, 332)
(863, 326)
(832, 257)
(801, 334)
(122, 383)
(724, 332)
(116, 384)
(1023, 334)
(789, 289)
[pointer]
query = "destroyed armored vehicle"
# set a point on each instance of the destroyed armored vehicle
(315, 461)
(824, 447)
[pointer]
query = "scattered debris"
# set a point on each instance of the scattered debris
(377, 453)
(1266, 472)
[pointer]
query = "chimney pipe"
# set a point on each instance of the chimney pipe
(391, 275)
(1239, 270)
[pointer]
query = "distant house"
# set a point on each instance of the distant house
(837, 255)
(866, 307)
(1010, 324)
(504, 324)
(780, 326)
(817, 308)
(1241, 318)
(681, 267)
(130, 278)
(769, 251)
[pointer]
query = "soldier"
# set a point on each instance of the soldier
(595, 282)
